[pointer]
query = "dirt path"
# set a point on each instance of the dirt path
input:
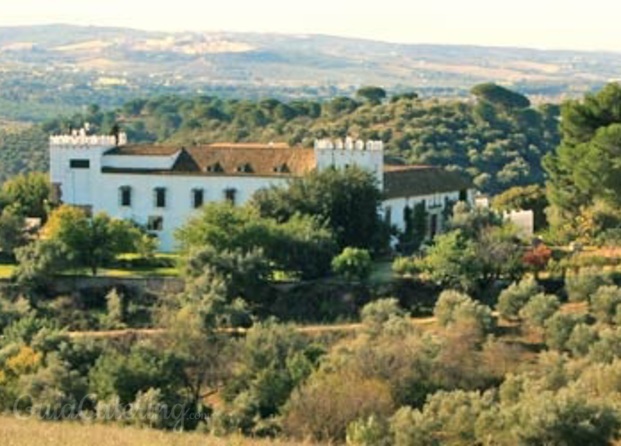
(307, 329)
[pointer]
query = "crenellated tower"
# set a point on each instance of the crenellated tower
(341, 154)
(75, 164)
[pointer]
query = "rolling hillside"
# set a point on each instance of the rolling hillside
(46, 70)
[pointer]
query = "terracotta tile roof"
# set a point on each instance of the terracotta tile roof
(411, 181)
(249, 145)
(226, 159)
(262, 161)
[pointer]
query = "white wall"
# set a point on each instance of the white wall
(434, 205)
(140, 162)
(179, 206)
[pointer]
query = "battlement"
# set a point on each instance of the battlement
(80, 139)
(348, 144)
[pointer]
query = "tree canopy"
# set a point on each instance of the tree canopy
(584, 170)
(347, 201)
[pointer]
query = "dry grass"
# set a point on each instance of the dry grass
(17, 432)
(6, 271)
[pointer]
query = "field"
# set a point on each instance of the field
(16, 432)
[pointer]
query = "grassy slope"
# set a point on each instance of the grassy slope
(16, 432)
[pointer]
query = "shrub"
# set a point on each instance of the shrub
(581, 286)
(109, 410)
(558, 330)
(457, 308)
(353, 264)
(581, 339)
(513, 298)
(376, 315)
(372, 431)
(324, 406)
(539, 309)
(447, 303)
(608, 347)
(148, 410)
(604, 303)
(405, 267)
(447, 418)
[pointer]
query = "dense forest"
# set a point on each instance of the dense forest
(496, 137)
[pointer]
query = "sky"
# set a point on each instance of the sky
(545, 24)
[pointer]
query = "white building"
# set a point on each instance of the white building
(161, 186)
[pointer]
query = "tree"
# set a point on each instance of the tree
(536, 259)
(347, 201)
(38, 261)
(12, 232)
(27, 194)
(373, 95)
(300, 245)
(530, 198)
(91, 242)
(512, 299)
(605, 303)
(500, 96)
(583, 167)
(353, 264)
(450, 261)
(539, 309)
(326, 403)
(580, 287)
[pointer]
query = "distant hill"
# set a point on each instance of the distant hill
(49, 69)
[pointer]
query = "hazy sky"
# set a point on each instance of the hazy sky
(574, 24)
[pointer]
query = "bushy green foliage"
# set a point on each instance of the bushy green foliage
(347, 201)
(368, 432)
(405, 266)
(447, 418)
(582, 337)
(140, 369)
(479, 250)
(38, 261)
(558, 330)
(91, 242)
(353, 264)
(539, 309)
(270, 362)
(383, 315)
(454, 308)
(580, 287)
(605, 303)
(582, 172)
(27, 194)
(300, 245)
(23, 151)
(12, 232)
(513, 298)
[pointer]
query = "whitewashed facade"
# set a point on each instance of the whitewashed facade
(161, 187)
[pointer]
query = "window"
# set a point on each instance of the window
(160, 197)
(245, 168)
(198, 198)
(79, 164)
(217, 168)
(230, 195)
(155, 223)
(126, 196)
(283, 168)
(463, 195)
